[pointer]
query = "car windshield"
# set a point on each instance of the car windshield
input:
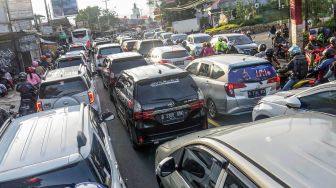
(240, 40)
(179, 37)
(149, 34)
(102, 42)
(76, 48)
(130, 45)
(175, 54)
(79, 34)
(252, 73)
(68, 87)
(146, 46)
(165, 89)
(60, 178)
(202, 39)
(167, 36)
(70, 62)
(110, 50)
(118, 66)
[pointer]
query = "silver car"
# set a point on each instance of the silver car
(321, 98)
(176, 55)
(67, 87)
(233, 84)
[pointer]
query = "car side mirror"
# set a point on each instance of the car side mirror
(166, 167)
(293, 102)
(107, 116)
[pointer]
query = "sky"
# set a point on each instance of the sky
(122, 7)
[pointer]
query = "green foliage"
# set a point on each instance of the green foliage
(222, 28)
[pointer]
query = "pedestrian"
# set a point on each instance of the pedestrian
(285, 31)
(272, 32)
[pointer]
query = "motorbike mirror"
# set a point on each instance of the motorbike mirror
(293, 102)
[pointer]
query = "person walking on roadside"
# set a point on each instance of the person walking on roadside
(272, 32)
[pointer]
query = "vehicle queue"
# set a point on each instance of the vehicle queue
(163, 88)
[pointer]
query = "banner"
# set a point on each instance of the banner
(63, 8)
(20, 9)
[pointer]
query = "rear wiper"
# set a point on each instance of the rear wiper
(70, 93)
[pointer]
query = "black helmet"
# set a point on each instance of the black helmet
(269, 52)
(329, 53)
(184, 43)
(278, 33)
(332, 40)
(262, 47)
(22, 76)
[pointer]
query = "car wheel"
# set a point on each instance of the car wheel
(133, 136)
(212, 110)
(261, 117)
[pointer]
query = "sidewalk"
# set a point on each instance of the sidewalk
(13, 98)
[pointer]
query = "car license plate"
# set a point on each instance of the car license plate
(179, 63)
(256, 93)
(172, 117)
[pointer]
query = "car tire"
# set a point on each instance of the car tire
(132, 136)
(212, 109)
(261, 117)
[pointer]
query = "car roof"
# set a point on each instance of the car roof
(71, 55)
(198, 35)
(153, 71)
(234, 60)
(63, 73)
(77, 45)
(179, 34)
(299, 149)
(169, 48)
(108, 45)
(229, 35)
(151, 40)
(42, 142)
(124, 55)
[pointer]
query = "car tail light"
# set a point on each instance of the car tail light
(275, 80)
(190, 58)
(91, 97)
(141, 140)
(32, 180)
(311, 82)
(196, 105)
(138, 114)
(230, 87)
(39, 107)
(163, 61)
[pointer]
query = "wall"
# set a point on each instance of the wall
(3, 18)
(7, 56)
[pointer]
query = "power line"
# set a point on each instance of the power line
(187, 6)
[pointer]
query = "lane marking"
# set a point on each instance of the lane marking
(214, 123)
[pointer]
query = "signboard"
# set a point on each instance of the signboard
(63, 8)
(20, 9)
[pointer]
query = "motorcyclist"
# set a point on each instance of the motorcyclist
(298, 65)
(221, 45)
(44, 62)
(38, 69)
(332, 42)
(27, 92)
(184, 44)
(310, 48)
(89, 185)
(32, 77)
(277, 42)
(331, 74)
(249, 34)
(261, 51)
(271, 58)
(323, 68)
(285, 31)
(208, 50)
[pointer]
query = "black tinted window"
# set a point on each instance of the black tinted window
(77, 48)
(110, 50)
(193, 68)
(70, 62)
(99, 159)
(321, 102)
(79, 34)
(160, 90)
(202, 39)
(64, 177)
(232, 181)
(62, 88)
(145, 47)
(239, 40)
(217, 72)
(204, 70)
(118, 66)
(175, 54)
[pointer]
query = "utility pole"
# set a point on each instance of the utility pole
(105, 1)
(46, 9)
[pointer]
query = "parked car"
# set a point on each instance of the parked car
(176, 37)
(271, 153)
(195, 43)
(103, 51)
(149, 35)
(144, 46)
(114, 64)
(233, 84)
(148, 105)
(128, 46)
(240, 41)
(176, 55)
(71, 60)
(58, 148)
(321, 98)
(68, 86)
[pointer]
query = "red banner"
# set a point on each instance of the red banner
(296, 11)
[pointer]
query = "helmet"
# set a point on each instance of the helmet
(294, 50)
(262, 47)
(269, 52)
(329, 53)
(35, 63)
(22, 76)
(278, 33)
(332, 40)
(43, 58)
(312, 38)
(89, 185)
(184, 43)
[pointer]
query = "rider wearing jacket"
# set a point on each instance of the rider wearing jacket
(221, 45)
(261, 51)
(27, 91)
(298, 65)
(331, 74)
(323, 68)
(278, 41)
(270, 57)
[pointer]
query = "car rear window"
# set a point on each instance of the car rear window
(145, 47)
(79, 34)
(70, 62)
(175, 54)
(110, 50)
(118, 66)
(165, 89)
(240, 40)
(62, 88)
(252, 73)
(64, 177)
(76, 48)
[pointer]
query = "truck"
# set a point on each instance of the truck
(187, 26)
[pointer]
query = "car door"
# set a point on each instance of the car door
(203, 77)
(198, 167)
(122, 97)
(215, 84)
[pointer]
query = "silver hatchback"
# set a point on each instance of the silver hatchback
(233, 84)
(67, 87)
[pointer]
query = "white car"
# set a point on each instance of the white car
(176, 55)
(103, 51)
(195, 43)
(321, 98)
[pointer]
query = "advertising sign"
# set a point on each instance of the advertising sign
(20, 9)
(63, 8)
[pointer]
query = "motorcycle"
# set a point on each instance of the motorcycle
(318, 54)
(27, 106)
(283, 50)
